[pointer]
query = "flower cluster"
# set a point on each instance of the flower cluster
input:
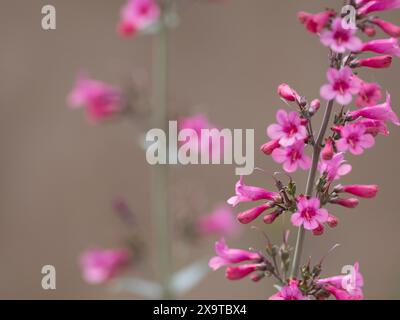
(353, 131)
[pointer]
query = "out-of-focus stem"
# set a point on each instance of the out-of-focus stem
(159, 181)
(310, 186)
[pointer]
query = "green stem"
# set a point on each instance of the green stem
(310, 186)
(159, 182)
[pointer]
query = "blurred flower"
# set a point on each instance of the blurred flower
(309, 214)
(314, 23)
(288, 130)
(390, 28)
(384, 46)
(334, 168)
(289, 292)
(221, 222)
(101, 100)
(340, 39)
(379, 5)
(137, 15)
(369, 94)
(99, 265)
(342, 85)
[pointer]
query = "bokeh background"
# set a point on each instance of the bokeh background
(59, 174)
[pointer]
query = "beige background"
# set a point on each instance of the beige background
(59, 174)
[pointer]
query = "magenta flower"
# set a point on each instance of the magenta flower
(269, 147)
(345, 287)
(239, 272)
(289, 292)
(309, 214)
(246, 193)
(334, 168)
(379, 5)
(314, 23)
(374, 127)
(382, 112)
(342, 85)
(250, 215)
(369, 95)
(384, 46)
(389, 28)
(350, 203)
(226, 256)
(340, 39)
(99, 266)
(292, 157)
(354, 138)
(101, 100)
(221, 222)
(359, 190)
(287, 93)
(137, 15)
(288, 130)
(378, 62)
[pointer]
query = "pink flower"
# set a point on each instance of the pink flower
(390, 28)
(99, 265)
(101, 100)
(370, 94)
(289, 292)
(350, 203)
(315, 22)
(292, 157)
(384, 46)
(342, 85)
(378, 62)
(309, 214)
(246, 193)
(253, 213)
(239, 272)
(288, 130)
(345, 287)
(382, 112)
(328, 151)
(340, 39)
(226, 256)
(221, 222)
(334, 168)
(374, 127)
(362, 191)
(287, 93)
(138, 15)
(270, 146)
(355, 139)
(379, 5)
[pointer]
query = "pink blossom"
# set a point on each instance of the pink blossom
(138, 15)
(350, 203)
(315, 22)
(239, 272)
(270, 146)
(345, 287)
(374, 127)
(341, 87)
(221, 222)
(382, 112)
(309, 214)
(288, 129)
(292, 157)
(99, 265)
(289, 292)
(340, 39)
(359, 190)
(314, 106)
(390, 28)
(384, 46)
(334, 168)
(378, 62)
(253, 213)
(246, 193)
(370, 94)
(379, 5)
(101, 100)
(226, 256)
(355, 139)
(328, 151)
(287, 93)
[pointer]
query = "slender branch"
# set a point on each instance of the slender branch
(159, 183)
(310, 185)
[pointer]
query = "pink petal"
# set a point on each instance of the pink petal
(296, 219)
(327, 92)
(290, 166)
(367, 141)
(279, 155)
(274, 131)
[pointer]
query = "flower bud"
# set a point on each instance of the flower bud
(362, 191)
(270, 218)
(253, 213)
(378, 62)
(314, 106)
(332, 221)
(387, 27)
(319, 230)
(347, 203)
(287, 93)
(256, 277)
(328, 152)
(239, 272)
(269, 147)
(369, 31)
